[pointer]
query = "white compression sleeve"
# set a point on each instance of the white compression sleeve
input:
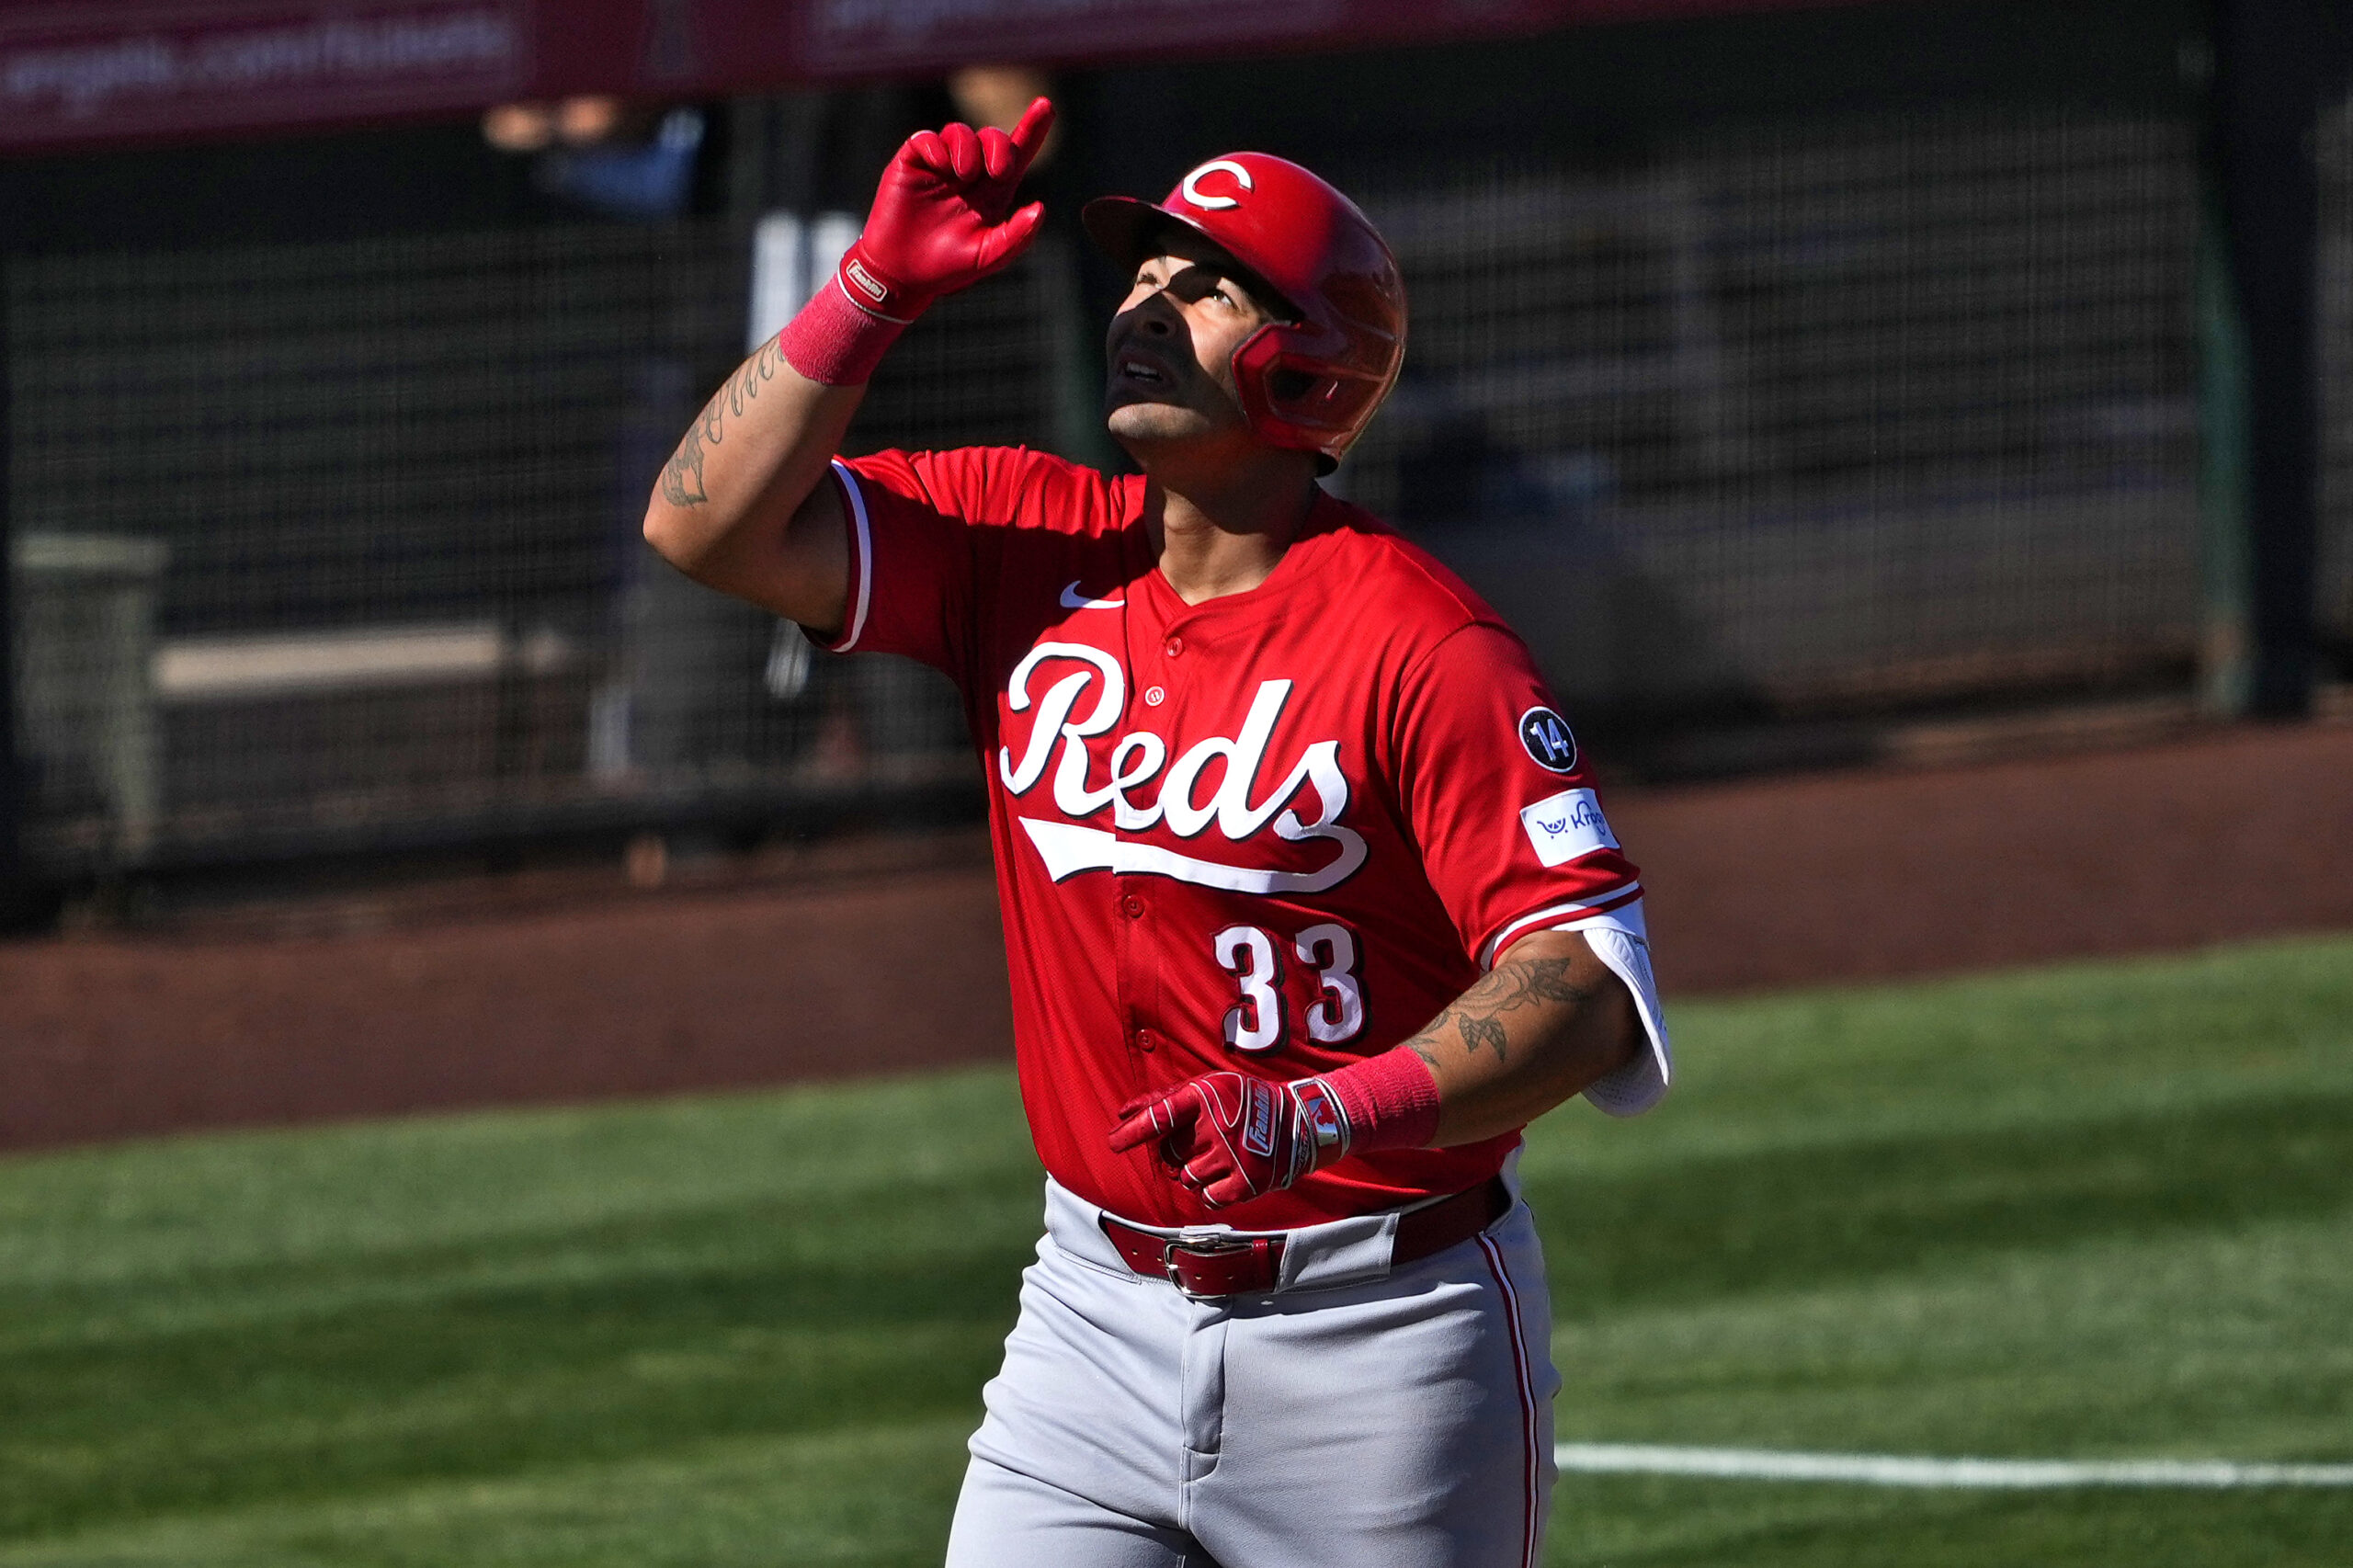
(1621, 939)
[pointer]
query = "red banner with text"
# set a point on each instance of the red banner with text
(93, 74)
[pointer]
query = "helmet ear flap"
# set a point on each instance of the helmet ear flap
(1296, 395)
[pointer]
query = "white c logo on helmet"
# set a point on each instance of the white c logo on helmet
(1214, 203)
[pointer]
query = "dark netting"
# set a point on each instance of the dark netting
(2336, 582)
(1794, 416)
(337, 544)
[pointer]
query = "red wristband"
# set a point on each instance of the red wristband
(1391, 1101)
(838, 338)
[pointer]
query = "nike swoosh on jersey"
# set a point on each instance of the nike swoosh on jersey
(1074, 600)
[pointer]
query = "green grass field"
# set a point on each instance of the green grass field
(2087, 1211)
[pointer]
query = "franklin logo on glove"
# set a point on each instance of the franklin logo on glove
(856, 272)
(1261, 1138)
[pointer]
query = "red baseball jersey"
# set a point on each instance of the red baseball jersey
(1277, 831)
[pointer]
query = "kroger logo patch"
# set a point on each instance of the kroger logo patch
(1565, 825)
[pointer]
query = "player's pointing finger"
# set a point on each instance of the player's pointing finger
(1142, 1125)
(1030, 135)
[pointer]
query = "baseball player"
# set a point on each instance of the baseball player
(1309, 900)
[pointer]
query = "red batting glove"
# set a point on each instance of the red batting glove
(939, 222)
(1232, 1138)
(941, 218)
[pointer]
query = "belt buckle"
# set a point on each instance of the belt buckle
(1214, 1243)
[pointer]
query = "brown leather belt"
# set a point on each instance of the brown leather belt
(1248, 1265)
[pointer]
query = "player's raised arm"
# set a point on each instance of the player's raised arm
(738, 506)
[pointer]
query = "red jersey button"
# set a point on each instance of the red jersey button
(1131, 906)
(1173, 647)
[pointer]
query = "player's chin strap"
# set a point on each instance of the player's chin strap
(1621, 939)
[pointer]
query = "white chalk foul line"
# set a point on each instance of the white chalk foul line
(1898, 1470)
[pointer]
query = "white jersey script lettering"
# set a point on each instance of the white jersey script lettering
(1137, 757)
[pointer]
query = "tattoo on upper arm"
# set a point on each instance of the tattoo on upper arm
(682, 475)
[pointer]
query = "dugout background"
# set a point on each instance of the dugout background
(1768, 373)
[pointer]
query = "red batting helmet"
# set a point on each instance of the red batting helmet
(1316, 249)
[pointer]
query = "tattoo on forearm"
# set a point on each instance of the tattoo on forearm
(1547, 980)
(1477, 1017)
(1517, 985)
(1426, 1044)
(682, 475)
(1485, 1034)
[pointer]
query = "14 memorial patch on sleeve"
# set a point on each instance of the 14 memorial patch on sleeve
(1549, 740)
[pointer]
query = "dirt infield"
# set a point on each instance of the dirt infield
(899, 966)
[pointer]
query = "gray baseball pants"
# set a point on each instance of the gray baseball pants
(1359, 1417)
